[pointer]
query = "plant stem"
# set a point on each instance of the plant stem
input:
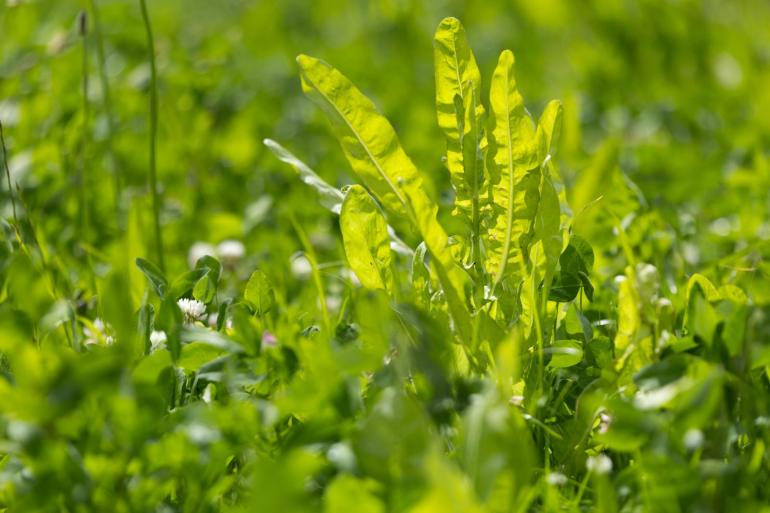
(107, 98)
(8, 176)
(83, 181)
(311, 257)
(153, 135)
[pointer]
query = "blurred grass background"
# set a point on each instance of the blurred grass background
(680, 87)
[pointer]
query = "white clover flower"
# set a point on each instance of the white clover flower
(192, 309)
(556, 479)
(600, 464)
(200, 250)
(230, 251)
(157, 340)
(300, 266)
(100, 335)
(693, 439)
(333, 303)
(605, 419)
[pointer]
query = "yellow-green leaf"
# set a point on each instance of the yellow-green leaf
(367, 138)
(365, 237)
(458, 109)
(514, 173)
(548, 129)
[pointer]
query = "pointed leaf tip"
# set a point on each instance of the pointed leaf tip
(507, 57)
(450, 23)
(304, 60)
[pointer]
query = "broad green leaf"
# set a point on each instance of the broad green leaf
(259, 292)
(459, 110)
(367, 138)
(205, 336)
(204, 288)
(372, 148)
(495, 448)
(211, 263)
(196, 354)
(154, 275)
(365, 238)
(514, 175)
(149, 368)
(469, 199)
(349, 494)
(185, 283)
(330, 197)
(448, 490)
(576, 263)
(565, 353)
(393, 440)
(629, 343)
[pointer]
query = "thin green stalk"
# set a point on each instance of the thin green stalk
(83, 181)
(8, 176)
(153, 135)
(107, 99)
(311, 257)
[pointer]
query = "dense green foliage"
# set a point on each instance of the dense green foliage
(566, 312)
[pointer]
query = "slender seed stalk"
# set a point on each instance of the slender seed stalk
(107, 99)
(83, 182)
(8, 177)
(153, 136)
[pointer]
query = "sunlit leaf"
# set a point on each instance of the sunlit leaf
(365, 237)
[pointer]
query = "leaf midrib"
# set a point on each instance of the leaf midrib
(509, 214)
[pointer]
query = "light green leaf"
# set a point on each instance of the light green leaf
(154, 275)
(469, 198)
(204, 289)
(365, 238)
(459, 110)
(349, 494)
(215, 339)
(196, 354)
(629, 322)
(367, 138)
(494, 448)
(565, 353)
(548, 129)
(259, 293)
(375, 154)
(185, 283)
(548, 230)
(514, 173)
(330, 197)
